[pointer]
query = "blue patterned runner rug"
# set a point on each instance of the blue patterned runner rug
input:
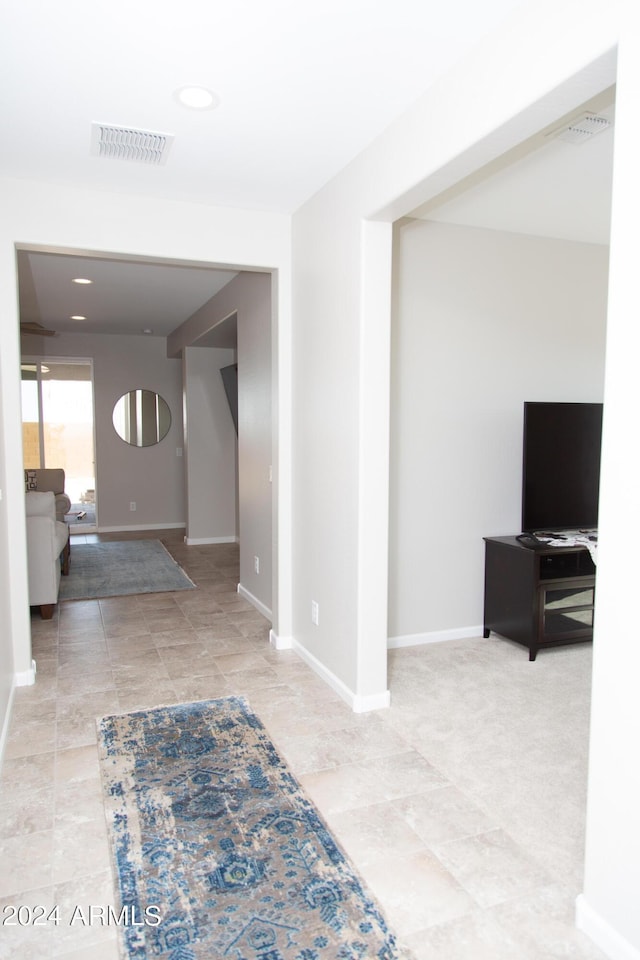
(217, 851)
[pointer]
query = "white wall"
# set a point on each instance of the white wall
(210, 448)
(340, 435)
(482, 321)
(15, 645)
(62, 217)
(6, 647)
(466, 120)
(608, 911)
(152, 477)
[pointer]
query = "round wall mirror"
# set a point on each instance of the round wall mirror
(141, 418)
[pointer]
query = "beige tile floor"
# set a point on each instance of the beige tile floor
(462, 805)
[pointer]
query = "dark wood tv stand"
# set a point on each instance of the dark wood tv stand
(537, 595)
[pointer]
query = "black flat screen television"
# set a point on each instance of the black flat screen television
(561, 466)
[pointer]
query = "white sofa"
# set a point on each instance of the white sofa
(48, 551)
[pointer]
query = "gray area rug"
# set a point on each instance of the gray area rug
(121, 568)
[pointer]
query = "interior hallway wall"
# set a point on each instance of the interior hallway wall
(482, 321)
(210, 448)
(256, 444)
(249, 297)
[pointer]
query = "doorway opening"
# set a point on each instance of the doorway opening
(58, 429)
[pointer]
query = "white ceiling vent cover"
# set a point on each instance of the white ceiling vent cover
(582, 129)
(125, 143)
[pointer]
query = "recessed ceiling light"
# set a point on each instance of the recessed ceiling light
(147, 330)
(197, 98)
(77, 317)
(82, 280)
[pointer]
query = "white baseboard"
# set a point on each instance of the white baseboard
(203, 541)
(434, 636)
(258, 604)
(280, 643)
(372, 701)
(4, 730)
(357, 702)
(612, 943)
(26, 678)
(141, 526)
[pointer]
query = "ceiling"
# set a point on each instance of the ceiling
(547, 187)
(124, 297)
(303, 85)
(303, 88)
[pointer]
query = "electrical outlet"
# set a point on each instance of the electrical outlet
(315, 612)
(256, 564)
(132, 505)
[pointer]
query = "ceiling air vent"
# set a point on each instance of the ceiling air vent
(582, 129)
(125, 143)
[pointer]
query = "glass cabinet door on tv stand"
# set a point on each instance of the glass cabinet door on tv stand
(537, 595)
